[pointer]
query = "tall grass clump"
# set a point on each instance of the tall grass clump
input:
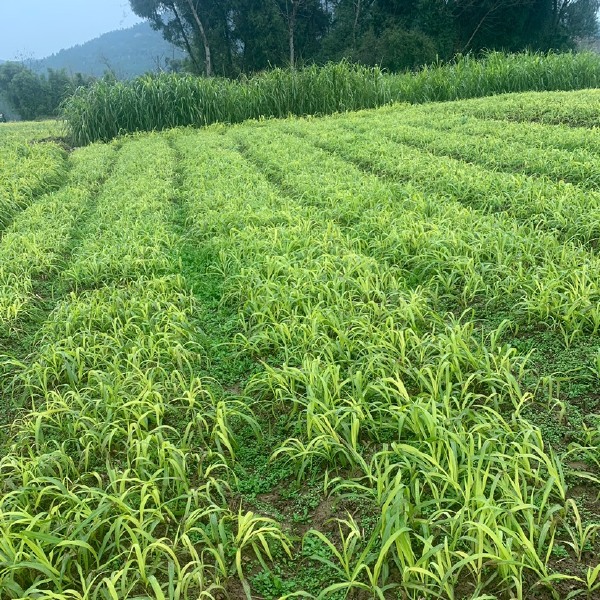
(497, 73)
(148, 103)
(164, 101)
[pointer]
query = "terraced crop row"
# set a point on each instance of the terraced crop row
(578, 109)
(26, 172)
(565, 209)
(400, 428)
(543, 276)
(32, 246)
(129, 236)
(532, 135)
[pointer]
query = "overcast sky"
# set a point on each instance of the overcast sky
(38, 28)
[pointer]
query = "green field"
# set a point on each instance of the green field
(345, 357)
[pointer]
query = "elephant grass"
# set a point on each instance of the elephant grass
(152, 103)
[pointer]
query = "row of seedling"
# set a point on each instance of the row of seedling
(565, 209)
(117, 481)
(397, 400)
(576, 108)
(499, 153)
(465, 255)
(32, 248)
(457, 118)
(128, 234)
(28, 171)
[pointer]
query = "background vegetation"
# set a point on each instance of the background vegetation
(228, 37)
(33, 95)
(125, 53)
(107, 109)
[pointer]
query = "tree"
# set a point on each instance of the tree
(305, 20)
(202, 31)
(175, 20)
(488, 23)
(396, 34)
(33, 95)
(233, 36)
(258, 34)
(289, 10)
(28, 93)
(396, 49)
(570, 20)
(518, 24)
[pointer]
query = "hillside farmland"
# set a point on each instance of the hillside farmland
(345, 357)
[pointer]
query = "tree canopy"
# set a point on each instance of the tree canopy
(228, 37)
(33, 95)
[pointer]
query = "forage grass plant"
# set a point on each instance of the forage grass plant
(455, 117)
(151, 103)
(539, 201)
(123, 464)
(551, 282)
(160, 102)
(27, 171)
(575, 165)
(128, 235)
(28, 131)
(124, 456)
(575, 109)
(397, 400)
(381, 310)
(32, 246)
(497, 73)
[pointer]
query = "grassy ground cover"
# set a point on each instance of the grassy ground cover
(578, 109)
(538, 200)
(27, 170)
(346, 357)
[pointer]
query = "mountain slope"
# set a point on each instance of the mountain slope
(126, 52)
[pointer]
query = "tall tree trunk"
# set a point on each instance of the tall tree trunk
(292, 46)
(357, 7)
(202, 31)
(558, 9)
(292, 17)
(481, 22)
(184, 36)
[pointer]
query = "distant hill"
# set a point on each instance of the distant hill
(126, 52)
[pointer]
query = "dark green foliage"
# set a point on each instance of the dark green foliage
(34, 96)
(241, 35)
(107, 109)
(396, 49)
(261, 32)
(250, 35)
